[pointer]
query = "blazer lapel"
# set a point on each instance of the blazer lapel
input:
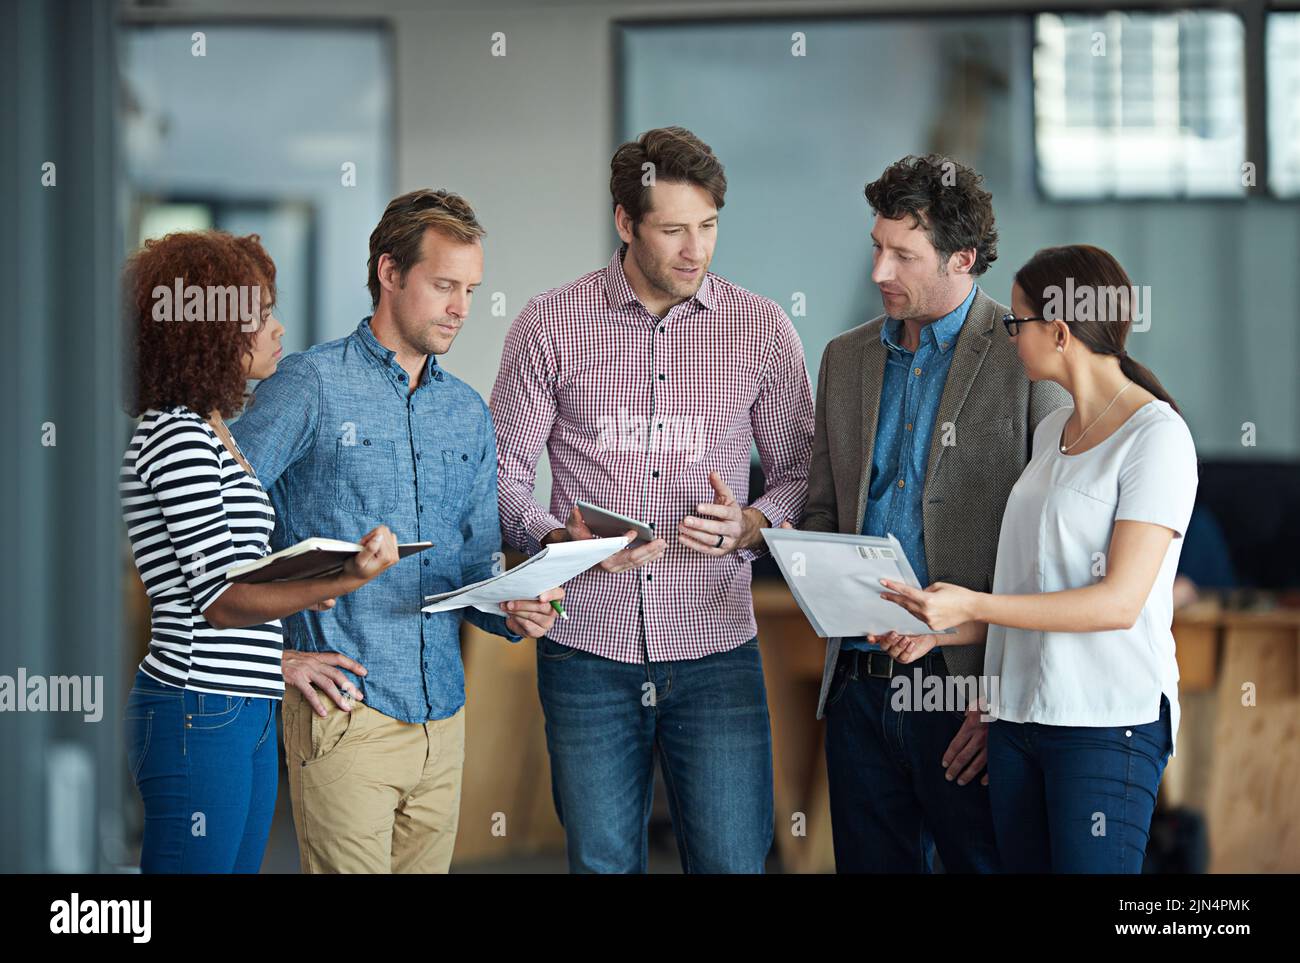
(873, 376)
(971, 348)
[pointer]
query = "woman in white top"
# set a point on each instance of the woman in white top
(1079, 667)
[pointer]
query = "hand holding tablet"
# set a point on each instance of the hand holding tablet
(645, 547)
(607, 524)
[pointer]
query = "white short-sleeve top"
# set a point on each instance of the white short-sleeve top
(1055, 535)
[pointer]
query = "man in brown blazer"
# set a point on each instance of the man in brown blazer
(924, 421)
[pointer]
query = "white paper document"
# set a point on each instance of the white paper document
(836, 581)
(551, 567)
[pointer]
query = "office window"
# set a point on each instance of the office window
(280, 130)
(1139, 105)
(1283, 67)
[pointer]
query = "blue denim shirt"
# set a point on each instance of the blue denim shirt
(341, 445)
(909, 404)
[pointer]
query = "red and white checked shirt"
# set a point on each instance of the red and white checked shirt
(635, 411)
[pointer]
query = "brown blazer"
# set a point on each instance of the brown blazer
(994, 409)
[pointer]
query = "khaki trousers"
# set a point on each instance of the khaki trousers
(372, 794)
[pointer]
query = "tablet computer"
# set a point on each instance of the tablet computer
(609, 524)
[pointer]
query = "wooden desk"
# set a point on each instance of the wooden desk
(1242, 733)
(506, 808)
(793, 657)
(1238, 764)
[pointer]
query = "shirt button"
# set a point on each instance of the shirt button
(428, 614)
(916, 371)
(402, 377)
(661, 329)
(417, 456)
(426, 561)
(661, 377)
(464, 457)
(1128, 732)
(655, 473)
(900, 483)
(909, 426)
(366, 442)
(649, 577)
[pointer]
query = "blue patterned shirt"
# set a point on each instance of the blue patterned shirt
(909, 404)
(342, 444)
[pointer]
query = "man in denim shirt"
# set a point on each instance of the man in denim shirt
(370, 430)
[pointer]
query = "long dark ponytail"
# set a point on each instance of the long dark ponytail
(1105, 327)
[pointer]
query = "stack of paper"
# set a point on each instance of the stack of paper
(551, 567)
(836, 581)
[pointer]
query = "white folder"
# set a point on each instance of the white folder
(836, 581)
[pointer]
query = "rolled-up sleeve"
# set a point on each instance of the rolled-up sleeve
(181, 466)
(782, 421)
(523, 412)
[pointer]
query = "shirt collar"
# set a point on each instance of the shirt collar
(941, 333)
(385, 356)
(620, 293)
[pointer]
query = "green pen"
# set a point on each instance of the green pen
(560, 608)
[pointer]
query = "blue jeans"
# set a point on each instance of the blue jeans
(205, 766)
(891, 806)
(1076, 799)
(706, 718)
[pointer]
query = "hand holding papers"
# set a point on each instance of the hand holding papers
(836, 581)
(552, 566)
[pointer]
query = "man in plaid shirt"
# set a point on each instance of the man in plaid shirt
(648, 382)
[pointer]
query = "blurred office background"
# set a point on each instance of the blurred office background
(1167, 133)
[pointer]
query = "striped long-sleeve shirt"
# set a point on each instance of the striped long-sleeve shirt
(635, 411)
(191, 513)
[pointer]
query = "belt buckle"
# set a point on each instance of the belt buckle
(872, 660)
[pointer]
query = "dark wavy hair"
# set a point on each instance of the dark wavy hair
(1089, 267)
(196, 363)
(944, 197)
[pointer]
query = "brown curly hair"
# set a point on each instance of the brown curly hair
(197, 363)
(946, 198)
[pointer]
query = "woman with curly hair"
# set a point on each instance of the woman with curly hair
(200, 719)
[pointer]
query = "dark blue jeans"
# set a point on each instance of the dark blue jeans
(1076, 799)
(205, 766)
(707, 719)
(891, 806)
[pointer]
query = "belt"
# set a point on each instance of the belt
(878, 665)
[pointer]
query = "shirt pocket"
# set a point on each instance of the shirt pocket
(983, 444)
(1074, 540)
(366, 476)
(988, 432)
(458, 468)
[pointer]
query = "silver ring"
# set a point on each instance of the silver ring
(720, 540)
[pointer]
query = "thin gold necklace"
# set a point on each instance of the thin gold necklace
(1066, 448)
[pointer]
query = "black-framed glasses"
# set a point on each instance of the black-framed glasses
(1012, 323)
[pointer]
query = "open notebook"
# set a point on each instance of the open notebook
(310, 558)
